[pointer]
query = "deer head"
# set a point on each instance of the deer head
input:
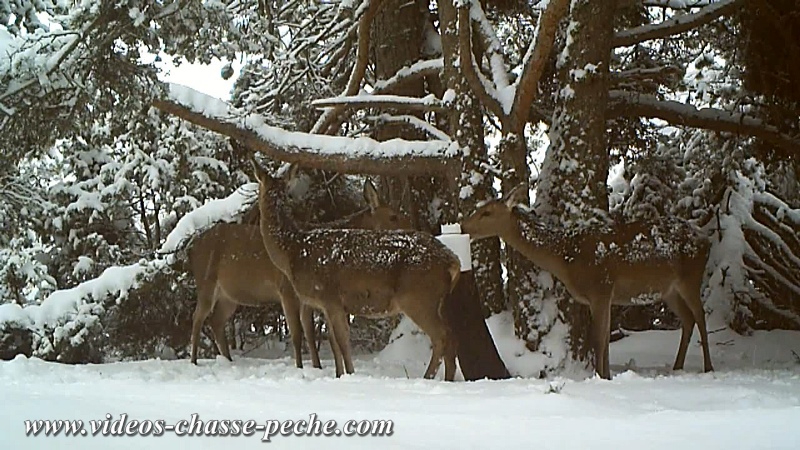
(379, 215)
(494, 217)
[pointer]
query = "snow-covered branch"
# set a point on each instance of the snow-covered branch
(492, 45)
(334, 153)
(481, 87)
(413, 121)
(417, 70)
(509, 103)
(671, 4)
(676, 25)
(428, 103)
(631, 104)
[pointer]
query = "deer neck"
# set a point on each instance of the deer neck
(278, 230)
(542, 245)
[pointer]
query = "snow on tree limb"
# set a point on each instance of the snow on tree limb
(413, 121)
(334, 153)
(508, 102)
(672, 4)
(492, 44)
(428, 103)
(632, 104)
(675, 25)
(480, 86)
(417, 70)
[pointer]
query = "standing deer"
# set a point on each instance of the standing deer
(608, 266)
(231, 267)
(364, 272)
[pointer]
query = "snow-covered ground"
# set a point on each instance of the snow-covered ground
(752, 401)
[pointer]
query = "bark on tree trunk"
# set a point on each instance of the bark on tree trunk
(572, 191)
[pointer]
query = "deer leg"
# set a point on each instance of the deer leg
(601, 325)
(291, 310)
(307, 320)
(691, 296)
(206, 297)
(450, 351)
(436, 359)
(678, 306)
(428, 320)
(223, 311)
(338, 324)
(338, 361)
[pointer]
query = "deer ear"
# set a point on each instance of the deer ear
(258, 171)
(517, 196)
(371, 194)
(292, 173)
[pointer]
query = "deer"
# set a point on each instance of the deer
(612, 265)
(372, 273)
(231, 267)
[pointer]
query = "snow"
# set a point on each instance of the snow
(69, 302)
(752, 401)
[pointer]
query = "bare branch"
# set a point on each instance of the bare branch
(428, 103)
(651, 73)
(675, 25)
(326, 121)
(536, 58)
(333, 153)
(631, 104)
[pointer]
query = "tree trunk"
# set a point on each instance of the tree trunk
(402, 21)
(477, 354)
(572, 191)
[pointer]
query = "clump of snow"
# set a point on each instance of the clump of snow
(84, 265)
(408, 347)
(219, 210)
(12, 313)
(620, 187)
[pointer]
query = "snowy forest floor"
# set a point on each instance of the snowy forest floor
(751, 401)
